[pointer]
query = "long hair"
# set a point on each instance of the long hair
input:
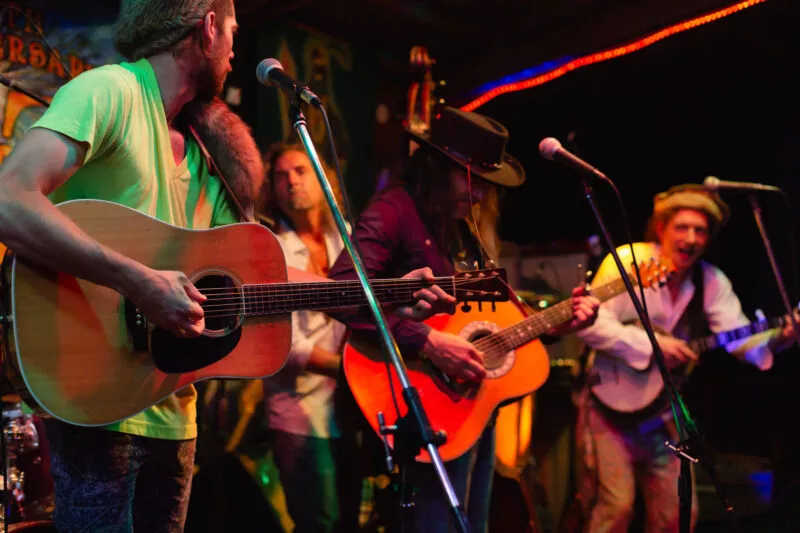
(427, 179)
(148, 27)
(269, 208)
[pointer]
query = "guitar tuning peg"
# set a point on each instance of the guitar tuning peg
(494, 306)
(760, 316)
(480, 307)
(466, 308)
(491, 264)
(462, 266)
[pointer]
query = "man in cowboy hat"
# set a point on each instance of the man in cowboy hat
(444, 211)
(623, 451)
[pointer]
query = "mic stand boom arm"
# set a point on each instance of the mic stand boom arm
(418, 422)
(775, 272)
(691, 448)
(14, 86)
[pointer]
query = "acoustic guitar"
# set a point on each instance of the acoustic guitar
(626, 390)
(85, 355)
(516, 364)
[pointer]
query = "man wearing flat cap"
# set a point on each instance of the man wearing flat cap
(622, 449)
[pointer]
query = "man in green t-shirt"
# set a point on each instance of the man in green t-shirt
(115, 133)
(112, 133)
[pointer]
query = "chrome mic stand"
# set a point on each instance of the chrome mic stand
(14, 86)
(774, 265)
(417, 427)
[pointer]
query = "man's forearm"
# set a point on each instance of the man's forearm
(35, 230)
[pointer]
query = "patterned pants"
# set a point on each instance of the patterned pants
(109, 482)
(614, 461)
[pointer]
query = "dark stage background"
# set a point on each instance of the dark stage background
(718, 100)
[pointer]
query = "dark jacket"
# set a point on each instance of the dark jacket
(394, 241)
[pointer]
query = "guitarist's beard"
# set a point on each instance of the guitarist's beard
(230, 142)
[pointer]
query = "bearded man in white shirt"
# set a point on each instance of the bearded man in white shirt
(305, 438)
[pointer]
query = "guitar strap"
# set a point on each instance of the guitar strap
(135, 321)
(215, 169)
(693, 323)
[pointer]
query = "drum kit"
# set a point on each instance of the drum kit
(27, 486)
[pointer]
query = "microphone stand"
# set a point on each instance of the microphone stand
(413, 431)
(14, 86)
(691, 448)
(775, 272)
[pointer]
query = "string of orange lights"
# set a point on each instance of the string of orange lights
(609, 54)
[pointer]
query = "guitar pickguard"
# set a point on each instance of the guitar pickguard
(175, 355)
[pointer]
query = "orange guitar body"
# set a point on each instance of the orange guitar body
(463, 410)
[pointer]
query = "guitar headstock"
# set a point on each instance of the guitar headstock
(488, 285)
(655, 272)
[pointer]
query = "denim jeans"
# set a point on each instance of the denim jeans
(471, 476)
(109, 482)
(615, 460)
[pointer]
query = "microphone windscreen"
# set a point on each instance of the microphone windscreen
(263, 68)
(711, 183)
(548, 147)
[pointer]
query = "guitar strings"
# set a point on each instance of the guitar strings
(290, 286)
(250, 291)
(496, 344)
(259, 298)
(223, 311)
(326, 289)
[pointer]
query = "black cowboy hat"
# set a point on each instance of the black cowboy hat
(474, 140)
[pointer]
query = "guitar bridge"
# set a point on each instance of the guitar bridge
(136, 324)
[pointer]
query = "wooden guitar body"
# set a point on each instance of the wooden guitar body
(74, 355)
(460, 409)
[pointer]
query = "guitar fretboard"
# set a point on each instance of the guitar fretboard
(282, 298)
(537, 324)
(721, 339)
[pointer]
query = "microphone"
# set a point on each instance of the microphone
(270, 72)
(552, 150)
(712, 183)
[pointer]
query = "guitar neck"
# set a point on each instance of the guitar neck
(537, 324)
(283, 298)
(721, 339)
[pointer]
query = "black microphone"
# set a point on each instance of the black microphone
(713, 183)
(552, 150)
(270, 72)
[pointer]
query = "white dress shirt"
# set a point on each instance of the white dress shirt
(298, 401)
(614, 333)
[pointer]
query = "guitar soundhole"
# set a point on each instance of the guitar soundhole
(497, 358)
(492, 359)
(223, 308)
